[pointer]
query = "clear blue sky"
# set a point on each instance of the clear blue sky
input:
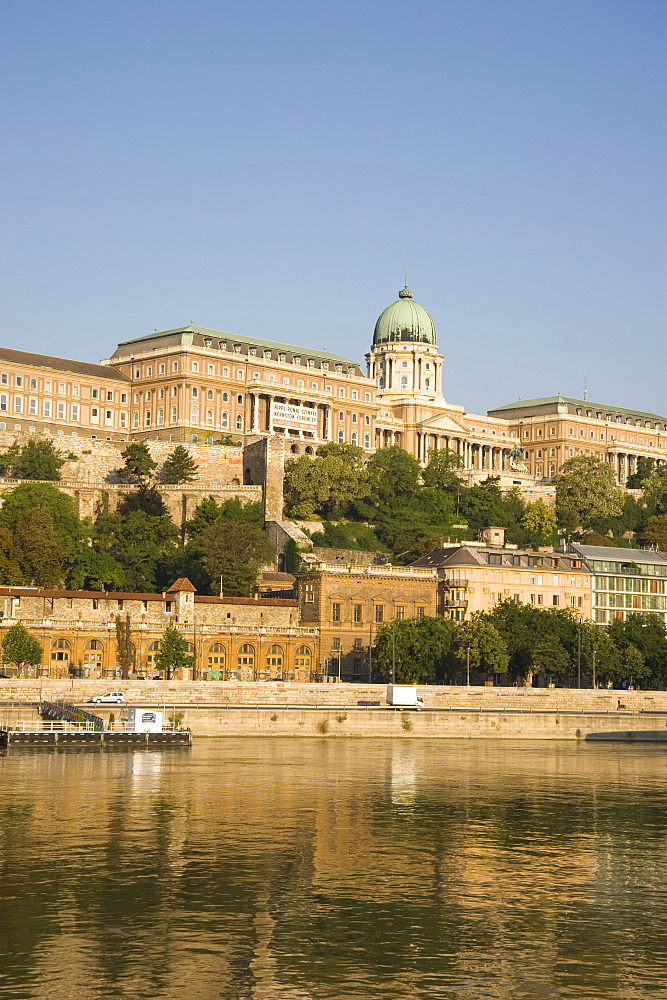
(269, 169)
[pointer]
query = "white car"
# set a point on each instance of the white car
(110, 698)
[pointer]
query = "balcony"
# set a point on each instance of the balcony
(451, 603)
(456, 584)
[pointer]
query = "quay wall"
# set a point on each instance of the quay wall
(270, 693)
(333, 711)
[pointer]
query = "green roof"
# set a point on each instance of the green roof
(235, 339)
(586, 403)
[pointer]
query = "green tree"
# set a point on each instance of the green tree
(39, 459)
(124, 645)
(443, 469)
(179, 466)
(138, 465)
(539, 520)
(19, 647)
(350, 535)
(139, 543)
(655, 492)
(645, 467)
(234, 553)
(146, 498)
(586, 491)
(420, 648)
(9, 459)
(325, 485)
(634, 665)
(647, 633)
(393, 477)
(40, 554)
(95, 570)
(480, 643)
(10, 571)
(173, 652)
(655, 531)
(20, 501)
(550, 656)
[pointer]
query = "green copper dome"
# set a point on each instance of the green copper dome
(405, 320)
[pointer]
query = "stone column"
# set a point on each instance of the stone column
(254, 411)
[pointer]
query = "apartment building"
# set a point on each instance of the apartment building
(477, 576)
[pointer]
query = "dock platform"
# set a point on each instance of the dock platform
(62, 734)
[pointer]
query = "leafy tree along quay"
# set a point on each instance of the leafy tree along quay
(19, 646)
(173, 652)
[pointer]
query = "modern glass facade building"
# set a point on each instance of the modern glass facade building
(624, 581)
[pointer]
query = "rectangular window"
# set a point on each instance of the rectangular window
(47, 385)
(108, 418)
(555, 600)
(358, 613)
(379, 613)
(18, 404)
(19, 381)
(32, 406)
(46, 408)
(123, 397)
(33, 383)
(335, 612)
(309, 595)
(195, 366)
(95, 393)
(122, 418)
(4, 379)
(94, 415)
(540, 599)
(60, 411)
(174, 366)
(75, 411)
(109, 396)
(420, 612)
(161, 369)
(400, 612)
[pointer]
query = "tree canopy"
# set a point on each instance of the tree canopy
(585, 492)
(19, 646)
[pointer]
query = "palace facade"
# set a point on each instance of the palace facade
(196, 385)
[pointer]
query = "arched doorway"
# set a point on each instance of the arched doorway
(216, 661)
(245, 661)
(93, 657)
(274, 661)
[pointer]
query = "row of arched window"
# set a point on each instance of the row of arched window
(215, 653)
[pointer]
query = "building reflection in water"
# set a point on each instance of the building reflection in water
(327, 869)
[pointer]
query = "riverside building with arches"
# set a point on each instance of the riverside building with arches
(232, 638)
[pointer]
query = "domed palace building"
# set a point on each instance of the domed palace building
(196, 385)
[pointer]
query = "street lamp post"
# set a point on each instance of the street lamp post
(467, 666)
(393, 651)
(579, 657)
(594, 667)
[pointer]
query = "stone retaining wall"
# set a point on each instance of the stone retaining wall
(345, 695)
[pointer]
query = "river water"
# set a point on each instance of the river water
(331, 868)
